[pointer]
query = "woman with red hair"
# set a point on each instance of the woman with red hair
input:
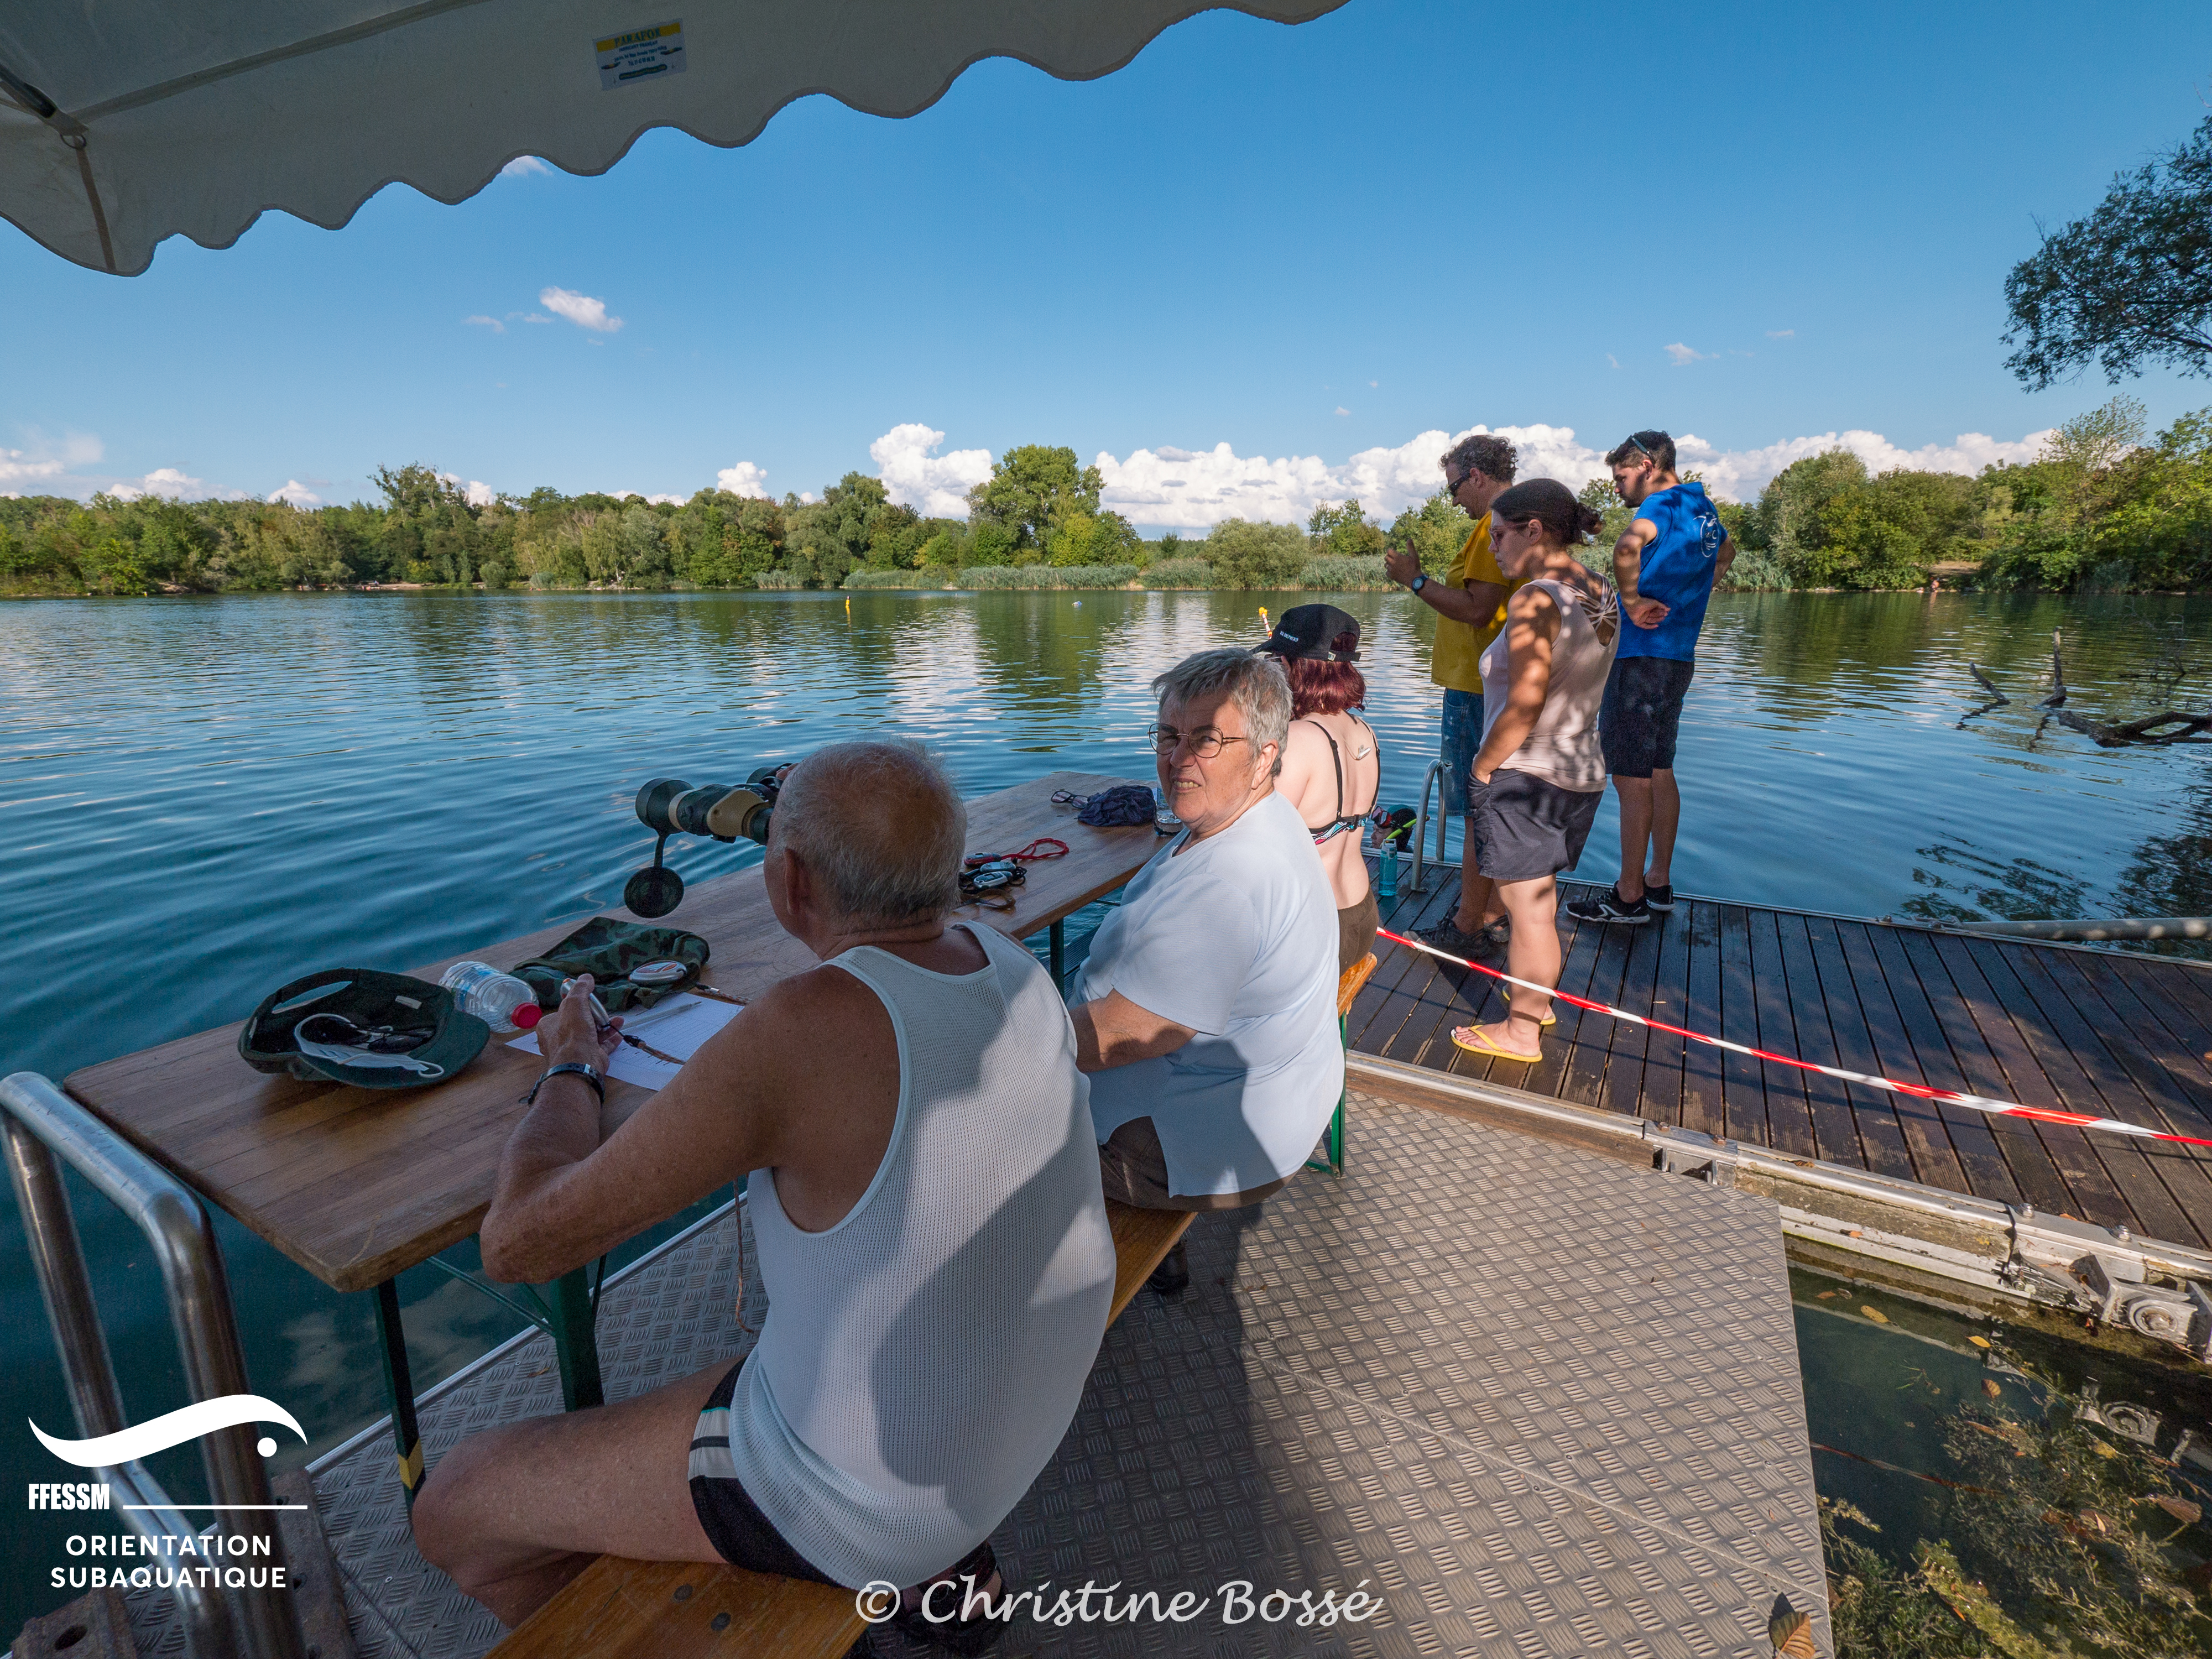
(1332, 766)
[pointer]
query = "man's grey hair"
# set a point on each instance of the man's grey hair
(881, 829)
(1486, 453)
(1253, 680)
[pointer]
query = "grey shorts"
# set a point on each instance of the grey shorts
(1524, 827)
(1462, 737)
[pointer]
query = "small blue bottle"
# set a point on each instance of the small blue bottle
(1386, 878)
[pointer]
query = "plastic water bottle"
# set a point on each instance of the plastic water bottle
(499, 1001)
(1386, 878)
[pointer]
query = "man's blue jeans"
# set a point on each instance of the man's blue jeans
(1462, 737)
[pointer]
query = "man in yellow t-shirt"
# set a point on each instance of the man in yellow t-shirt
(1470, 606)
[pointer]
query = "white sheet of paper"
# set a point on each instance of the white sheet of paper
(678, 1026)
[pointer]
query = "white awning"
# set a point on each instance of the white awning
(125, 121)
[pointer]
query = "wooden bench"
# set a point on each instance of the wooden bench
(622, 1609)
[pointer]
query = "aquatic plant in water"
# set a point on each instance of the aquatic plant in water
(2080, 1546)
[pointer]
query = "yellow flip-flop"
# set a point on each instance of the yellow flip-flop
(1470, 1038)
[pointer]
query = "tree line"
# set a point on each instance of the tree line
(2107, 507)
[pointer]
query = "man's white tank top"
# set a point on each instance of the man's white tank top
(921, 1360)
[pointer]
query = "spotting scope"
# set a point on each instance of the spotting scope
(724, 811)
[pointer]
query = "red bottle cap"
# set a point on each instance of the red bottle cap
(526, 1017)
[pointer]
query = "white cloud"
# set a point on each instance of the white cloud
(163, 481)
(935, 486)
(480, 494)
(1742, 473)
(1341, 409)
(1614, 361)
(1184, 488)
(491, 323)
(1781, 333)
(1681, 354)
(22, 466)
(581, 309)
(808, 497)
(743, 479)
(522, 165)
(526, 317)
(296, 493)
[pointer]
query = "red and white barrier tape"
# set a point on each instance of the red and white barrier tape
(1918, 1090)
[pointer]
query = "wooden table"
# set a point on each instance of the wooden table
(357, 1185)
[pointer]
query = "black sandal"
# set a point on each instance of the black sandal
(956, 1635)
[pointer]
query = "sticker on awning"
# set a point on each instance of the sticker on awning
(641, 55)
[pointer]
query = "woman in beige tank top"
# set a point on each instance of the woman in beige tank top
(1538, 776)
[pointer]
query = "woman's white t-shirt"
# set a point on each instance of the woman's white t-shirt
(1235, 937)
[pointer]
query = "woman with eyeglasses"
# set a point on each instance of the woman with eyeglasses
(1540, 774)
(1206, 1013)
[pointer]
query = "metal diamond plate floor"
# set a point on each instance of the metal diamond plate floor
(1541, 1404)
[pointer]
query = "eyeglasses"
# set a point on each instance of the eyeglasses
(336, 1032)
(1202, 744)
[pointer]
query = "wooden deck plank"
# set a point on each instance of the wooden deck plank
(1743, 1079)
(1879, 1134)
(1401, 977)
(2090, 1189)
(1703, 1107)
(1788, 1112)
(2136, 1195)
(1837, 1134)
(1578, 957)
(1973, 1143)
(2131, 1039)
(1659, 1093)
(2038, 1178)
(1627, 1054)
(2181, 1040)
(1582, 1081)
(1926, 1137)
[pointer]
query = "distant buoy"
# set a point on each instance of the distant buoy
(1078, 605)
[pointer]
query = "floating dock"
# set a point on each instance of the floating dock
(1541, 1404)
(2107, 1033)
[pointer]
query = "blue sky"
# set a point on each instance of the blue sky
(1318, 247)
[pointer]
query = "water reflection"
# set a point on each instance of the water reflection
(200, 798)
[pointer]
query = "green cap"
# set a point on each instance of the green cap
(362, 1026)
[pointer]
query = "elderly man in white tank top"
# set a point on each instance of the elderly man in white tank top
(1206, 1010)
(925, 1194)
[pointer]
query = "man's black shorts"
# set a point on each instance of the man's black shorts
(1643, 708)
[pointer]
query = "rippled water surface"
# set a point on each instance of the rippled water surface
(200, 799)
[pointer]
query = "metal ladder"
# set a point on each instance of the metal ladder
(41, 1124)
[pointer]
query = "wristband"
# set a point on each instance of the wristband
(573, 1068)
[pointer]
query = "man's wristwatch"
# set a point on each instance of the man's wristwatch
(590, 1074)
(1417, 583)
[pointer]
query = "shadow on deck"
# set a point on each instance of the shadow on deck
(2094, 1031)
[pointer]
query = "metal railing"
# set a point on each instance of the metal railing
(41, 1123)
(1434, 776)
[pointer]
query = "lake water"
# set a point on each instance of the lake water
(202, 798)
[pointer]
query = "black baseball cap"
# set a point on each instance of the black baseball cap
(357, 1025)
(1313, 632)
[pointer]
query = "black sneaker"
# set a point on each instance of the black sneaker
(1172, 1276)
(1609, 906)
(1446, 936)
(1659, 898)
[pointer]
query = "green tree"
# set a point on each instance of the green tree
(1245, 555)
(2129, 286)
(1433, 533)
(1031, 489)
(1343, 532)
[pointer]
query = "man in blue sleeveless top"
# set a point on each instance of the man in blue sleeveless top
(1665, 565)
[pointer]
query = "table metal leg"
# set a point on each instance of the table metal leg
(400, 1388)
(1059, 954)
(574, 1344)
